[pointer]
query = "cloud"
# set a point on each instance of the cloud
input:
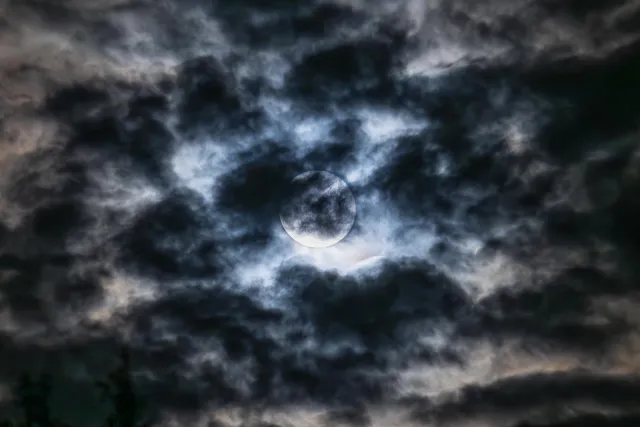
(490, 276)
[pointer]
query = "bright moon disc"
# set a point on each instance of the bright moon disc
(319, 211)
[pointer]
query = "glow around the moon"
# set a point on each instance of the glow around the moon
(320, 210)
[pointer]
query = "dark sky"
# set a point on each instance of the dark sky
(491, 279)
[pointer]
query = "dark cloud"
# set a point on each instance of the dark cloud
(172, 237)
(258, 186)
(556, 392)
(590, 420)
(209, 95)
(558, 313)
(282, 24)
(346, 72)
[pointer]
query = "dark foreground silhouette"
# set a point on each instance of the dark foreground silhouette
(31, 398)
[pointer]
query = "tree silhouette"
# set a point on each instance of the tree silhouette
(31, 396)
(118, 388)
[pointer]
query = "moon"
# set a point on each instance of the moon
(319, 209)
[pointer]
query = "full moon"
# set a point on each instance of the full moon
(319, 210)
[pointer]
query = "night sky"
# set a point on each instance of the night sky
(491, 277)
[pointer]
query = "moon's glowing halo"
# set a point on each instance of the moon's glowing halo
(329, 189)
(343, 257)
(309, 240)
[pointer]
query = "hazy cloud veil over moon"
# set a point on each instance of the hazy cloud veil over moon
(480, 270)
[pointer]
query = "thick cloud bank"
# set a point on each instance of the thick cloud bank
(491, 277)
